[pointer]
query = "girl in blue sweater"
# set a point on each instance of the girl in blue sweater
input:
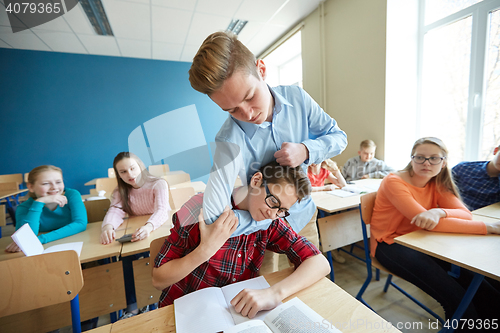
(51, 209)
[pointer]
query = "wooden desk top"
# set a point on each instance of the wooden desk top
(136, 222)
(198, 186)
(85, 197)
(331, 203)
(94, 181)
(101, 329)
(8, 193)
(92, 248)
(4, 241)
(489, 211)
(324, 297)
(477, 253)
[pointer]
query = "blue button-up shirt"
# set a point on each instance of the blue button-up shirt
(242, 148)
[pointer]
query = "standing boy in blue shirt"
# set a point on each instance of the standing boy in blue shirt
(264, 123)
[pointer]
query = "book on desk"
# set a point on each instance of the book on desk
(29, 243)
(209, 310)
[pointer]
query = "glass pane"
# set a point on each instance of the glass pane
(491, 117)
(284, 65)
(291, 72)
(437, 9)
(445, 84)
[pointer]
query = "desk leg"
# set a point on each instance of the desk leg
(469, 294)
(75, 314)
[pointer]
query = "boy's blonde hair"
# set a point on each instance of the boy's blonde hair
(367, 144)
(33, 175)
(443, 179)
(219, 57)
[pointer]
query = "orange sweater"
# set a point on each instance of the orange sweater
(398, 202)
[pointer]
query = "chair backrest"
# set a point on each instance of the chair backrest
(34, 282)
(111, 173)
(9, 186)
(367, 202)
(177, 178)
(154, 248)
(15, 178)
(106, 184)
(159, 170)
(180, 196)
(26, 177)
(96, 209)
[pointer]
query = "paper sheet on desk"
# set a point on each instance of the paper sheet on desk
(29, 243)
(341, 193)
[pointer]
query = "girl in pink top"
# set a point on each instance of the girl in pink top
(138, 193)
(423, 196)
(318, 173)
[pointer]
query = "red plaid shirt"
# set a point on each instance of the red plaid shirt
(240, 258)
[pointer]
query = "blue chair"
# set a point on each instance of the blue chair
(367, 202)
(34, 282)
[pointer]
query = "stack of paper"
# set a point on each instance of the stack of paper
(26, 239)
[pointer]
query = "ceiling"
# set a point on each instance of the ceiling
(159, 29)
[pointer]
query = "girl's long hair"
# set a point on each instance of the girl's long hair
(123, 188)
(443, 179)
(33, 175)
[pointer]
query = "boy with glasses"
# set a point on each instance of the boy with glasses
(197, 255)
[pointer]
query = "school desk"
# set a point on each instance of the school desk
(135, 222)
(477, 253)
(198, 186)
(492, 211)
(339, 223)
(92, 249)
(145, 292)
(324, 297)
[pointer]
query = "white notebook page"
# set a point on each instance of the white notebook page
(202, 311)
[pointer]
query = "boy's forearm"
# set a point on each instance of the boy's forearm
(177, 269)
(308, 273)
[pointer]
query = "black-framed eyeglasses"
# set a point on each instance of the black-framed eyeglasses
(273, 203)
(434, 160)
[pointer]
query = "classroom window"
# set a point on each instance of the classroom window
(284, 64)
(460, 76)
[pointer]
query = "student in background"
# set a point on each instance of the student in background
(365, 165)
(281, 123)
(318, 173)
(479, 182)
(197, 255)
(51, 208)
(137, 193)
(423, 196)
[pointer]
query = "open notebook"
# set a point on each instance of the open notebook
(209, 310)
(26, 239)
